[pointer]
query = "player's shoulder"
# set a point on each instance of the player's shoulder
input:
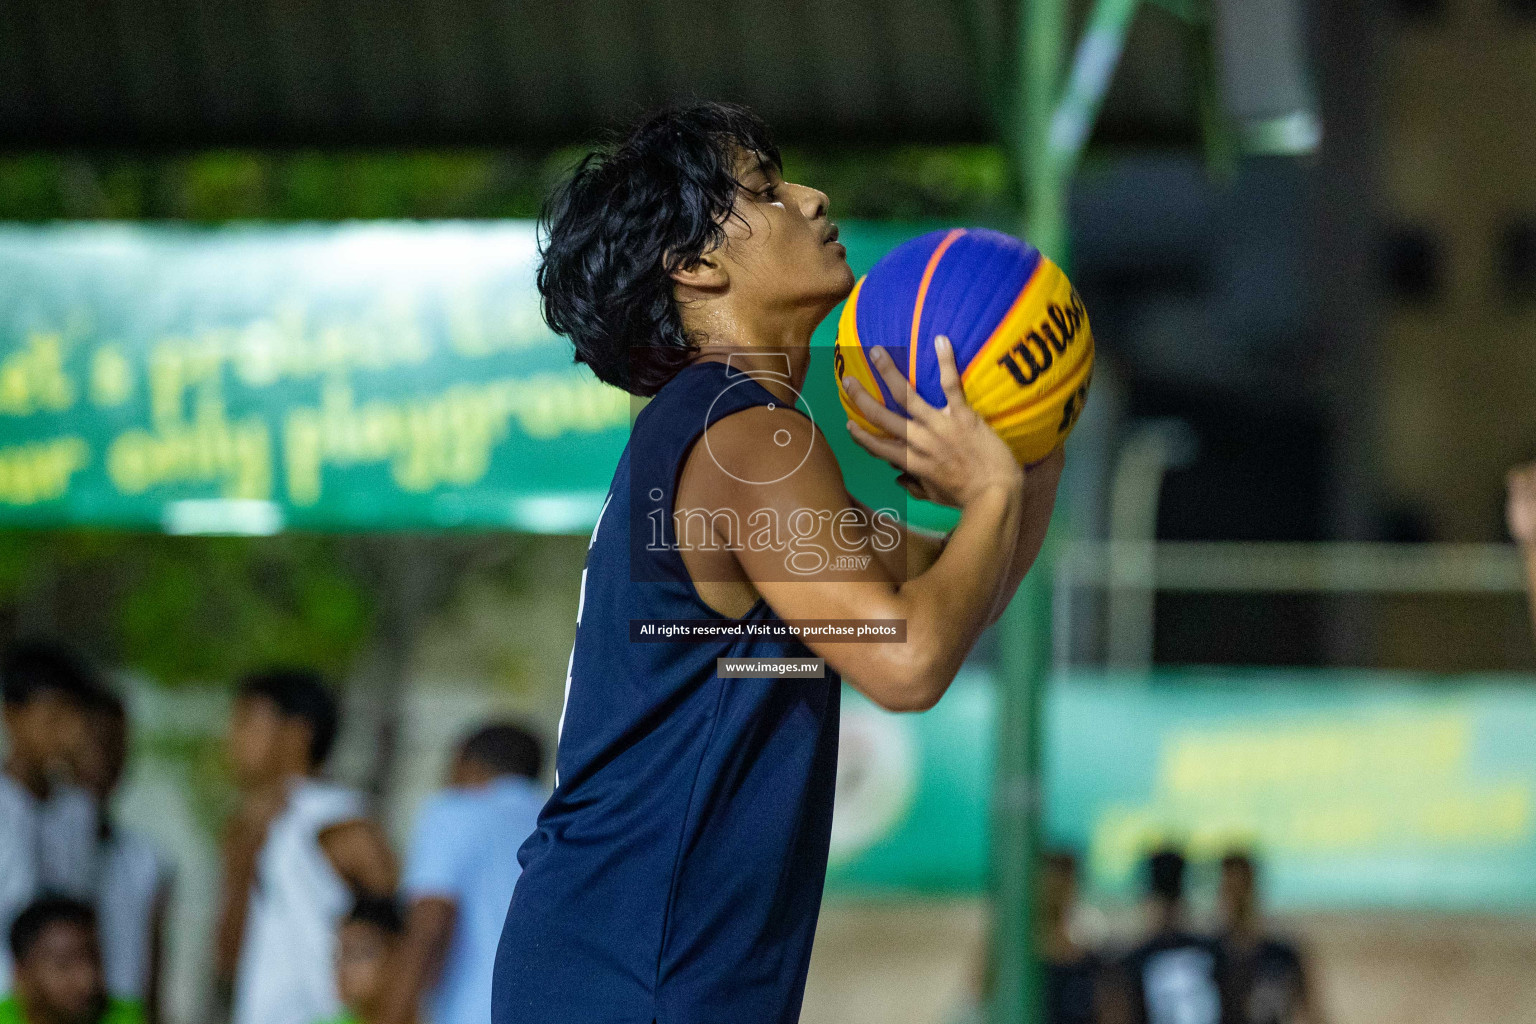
(768, 417)
(765, 443)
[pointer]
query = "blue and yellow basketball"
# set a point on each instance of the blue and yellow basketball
(1019, 331)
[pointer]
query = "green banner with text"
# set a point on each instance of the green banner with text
(339, 377)
(1356, 789)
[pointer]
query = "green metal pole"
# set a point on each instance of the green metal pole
(1093, 66)
(1048, 138)
(1042, 57)
(1024, 657)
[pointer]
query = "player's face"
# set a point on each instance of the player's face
(781, 250)
(61, 975)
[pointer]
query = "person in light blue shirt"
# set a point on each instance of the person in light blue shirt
(460, 871)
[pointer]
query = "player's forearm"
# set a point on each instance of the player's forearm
(947, 607)
(916, 553)
(1040, 486)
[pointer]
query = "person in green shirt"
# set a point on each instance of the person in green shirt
(58, 975)
(367, 952)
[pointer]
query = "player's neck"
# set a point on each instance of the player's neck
(766, 366)
(757, 343)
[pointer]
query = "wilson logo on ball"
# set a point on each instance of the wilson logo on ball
(1019, 329)
(1033, 355)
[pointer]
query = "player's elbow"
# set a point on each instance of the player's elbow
(908, 683)
(909, 700)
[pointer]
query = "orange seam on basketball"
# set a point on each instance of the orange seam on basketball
(922, 293)
(998, 331)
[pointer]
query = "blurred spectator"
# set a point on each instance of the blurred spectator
(133, 879)
(1072, 974)
(460, 873)
(1521, 512)
(1266, 980)
(296, 852)
(59, 979)
(47, 826)
(1174, 976)
(1073, 977)
(367, 955)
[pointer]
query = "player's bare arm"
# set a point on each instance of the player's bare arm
(953, 456)
(1040, 484)
(704, 298)
(918, 549)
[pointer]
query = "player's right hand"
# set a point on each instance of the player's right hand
(1521, 509)
(949, 455)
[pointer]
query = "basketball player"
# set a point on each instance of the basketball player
(676, 872)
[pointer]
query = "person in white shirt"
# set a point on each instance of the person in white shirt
(134, 880)
(47, 825)
(296, 853)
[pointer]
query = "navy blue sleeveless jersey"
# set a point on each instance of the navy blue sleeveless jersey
(676, 872)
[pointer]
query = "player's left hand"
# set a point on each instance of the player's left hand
(944, 455)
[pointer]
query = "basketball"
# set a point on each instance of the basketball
(1020, 333)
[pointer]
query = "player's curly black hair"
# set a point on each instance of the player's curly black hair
(628, 216)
